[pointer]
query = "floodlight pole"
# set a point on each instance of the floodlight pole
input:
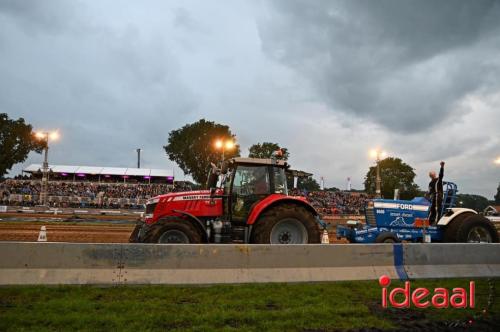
(45, 171)
(378, 193)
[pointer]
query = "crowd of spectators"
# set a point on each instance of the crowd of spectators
(125, 195)
(83, 194)
(335, 202)
(88, 189)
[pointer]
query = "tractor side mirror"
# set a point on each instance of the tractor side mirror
(213, 176)
(212, 180)
(224, 167)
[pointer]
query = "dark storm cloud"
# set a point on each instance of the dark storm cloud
(315, 76)
(108, 89)
(403, 64)
(49, 16)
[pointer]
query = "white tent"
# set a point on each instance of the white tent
(97, 170)
(138, 172)
(88, 170)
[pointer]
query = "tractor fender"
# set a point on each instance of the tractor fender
(276, 199)
(197, 222)
(452, 214)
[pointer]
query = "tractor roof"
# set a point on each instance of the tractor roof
(259, 161)
(298, 173)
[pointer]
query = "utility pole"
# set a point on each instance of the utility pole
(138, 158)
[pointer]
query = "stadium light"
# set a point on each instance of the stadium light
(377, 154)
(219, 144)
(45, 136)
(497, 161)
(54, 135)
(224, 145)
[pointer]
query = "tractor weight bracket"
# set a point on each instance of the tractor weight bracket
(320, 222)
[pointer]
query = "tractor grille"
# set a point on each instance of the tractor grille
(370, 216)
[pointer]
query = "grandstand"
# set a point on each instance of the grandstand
(102, 174)
(89, 186)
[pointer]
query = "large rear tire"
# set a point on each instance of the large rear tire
(477, 229)
(451, 231)
(286, 224)
(173, 230)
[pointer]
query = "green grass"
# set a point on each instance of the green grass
(256, 307)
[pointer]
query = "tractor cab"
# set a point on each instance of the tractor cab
(243, 182)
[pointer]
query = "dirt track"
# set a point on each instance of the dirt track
(59, 231)
(66, 233)
(76, 233)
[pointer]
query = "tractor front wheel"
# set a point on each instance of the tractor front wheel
(286, 224)
(386, 237)
(173, 230)
(134, 237)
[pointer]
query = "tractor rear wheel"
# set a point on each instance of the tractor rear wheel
(451, 230)
(477, 229)
(173, 230)
(286, 224)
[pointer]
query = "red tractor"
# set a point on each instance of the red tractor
(247, 202)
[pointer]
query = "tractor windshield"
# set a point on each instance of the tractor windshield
(250, 185)
(251, 180)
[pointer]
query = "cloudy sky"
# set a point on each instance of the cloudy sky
(328, 79)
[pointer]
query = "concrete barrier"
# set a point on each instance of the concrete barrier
(77, 263)
(73, 263)
(448, 260)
